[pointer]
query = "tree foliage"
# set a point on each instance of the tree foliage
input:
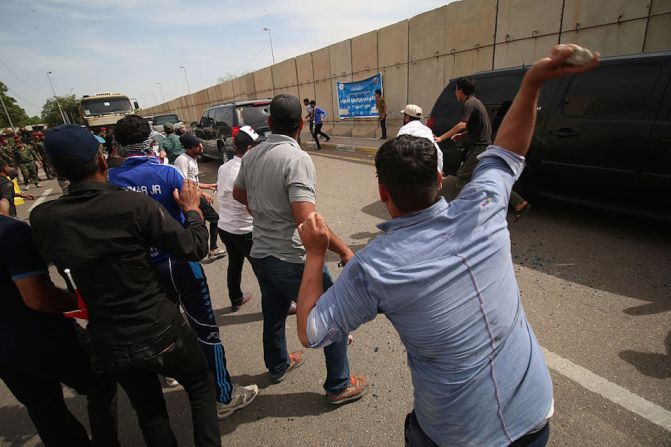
(16, 113)
(51, 115)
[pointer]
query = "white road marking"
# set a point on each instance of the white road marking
(609, 390)
(41, 199)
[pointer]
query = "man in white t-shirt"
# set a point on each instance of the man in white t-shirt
(187, 164)
(412, 125)
(235, 222)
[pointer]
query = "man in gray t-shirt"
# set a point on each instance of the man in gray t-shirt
(277, 183)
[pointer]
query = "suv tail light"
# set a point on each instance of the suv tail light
(431, 122)
(234, 131)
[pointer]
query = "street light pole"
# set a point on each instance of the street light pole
(187, 79)
(7, 113)
(161, 89)
(55, 97)
(272, 52)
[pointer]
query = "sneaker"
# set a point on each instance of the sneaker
(354, 391)
(38, 185)
(170, 382)
(240, 398)
(246, 297)
(26, 188)
(292, 308)
(215, 254)
(296, 361)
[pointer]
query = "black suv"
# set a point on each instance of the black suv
(220, 123)
(602, 139)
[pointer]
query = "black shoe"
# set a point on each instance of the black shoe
(328, 138)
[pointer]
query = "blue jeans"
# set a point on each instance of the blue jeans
(279, 282)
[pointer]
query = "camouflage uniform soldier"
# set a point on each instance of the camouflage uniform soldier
(38, 147)
(25, 157)
(6, 151)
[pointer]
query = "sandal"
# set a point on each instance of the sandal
(520, 213)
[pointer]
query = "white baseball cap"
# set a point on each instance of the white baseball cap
(412, 110)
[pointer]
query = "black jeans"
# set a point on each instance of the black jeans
(211, 216)
(317, 132)
(383, 126)
(415, 436)
(238, 247)
(173, 352)
(36, 383)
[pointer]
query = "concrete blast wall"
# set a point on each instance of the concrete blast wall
(418, 56)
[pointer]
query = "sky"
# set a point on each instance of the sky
(128, 46)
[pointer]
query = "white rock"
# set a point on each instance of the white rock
(580, 56)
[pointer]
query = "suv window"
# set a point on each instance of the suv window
(223, 116)
(255, 115)
(162, 119)
(612, 92)
(206, 120)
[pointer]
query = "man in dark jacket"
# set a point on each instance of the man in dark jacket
(103, 235)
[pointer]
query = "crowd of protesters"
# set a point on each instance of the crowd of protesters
(128, 241)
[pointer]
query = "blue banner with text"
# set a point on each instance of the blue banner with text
(357, 99)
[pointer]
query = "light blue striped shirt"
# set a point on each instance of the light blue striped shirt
(444, 277)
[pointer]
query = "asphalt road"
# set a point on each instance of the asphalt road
(596, 288)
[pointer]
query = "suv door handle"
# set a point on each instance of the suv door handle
(564, 133)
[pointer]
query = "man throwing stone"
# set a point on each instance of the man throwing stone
(443, 275)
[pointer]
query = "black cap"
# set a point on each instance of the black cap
(189, 140)
(70, 146)
(286, 112)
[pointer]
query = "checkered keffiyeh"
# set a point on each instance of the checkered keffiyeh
(144, 147)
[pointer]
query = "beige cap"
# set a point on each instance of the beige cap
(412, 110)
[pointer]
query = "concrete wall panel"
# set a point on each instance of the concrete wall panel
(289, 90)
(427, 34)
(392, 44)
(523, 52)
(364, 53)
(250, 87)
(284, 74)
(341, 58)
(661, 6)
(213, 95)
(304, 68)
(239, 90)
(306, 90)
(520, 19)
(468, 62)
(427, 81)
(263, 80)
(659, 34)
(321, 63)
(625, 38)
(395, 83)
(324, 97)
(469, 23)
(590, 13)
(226, 91)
